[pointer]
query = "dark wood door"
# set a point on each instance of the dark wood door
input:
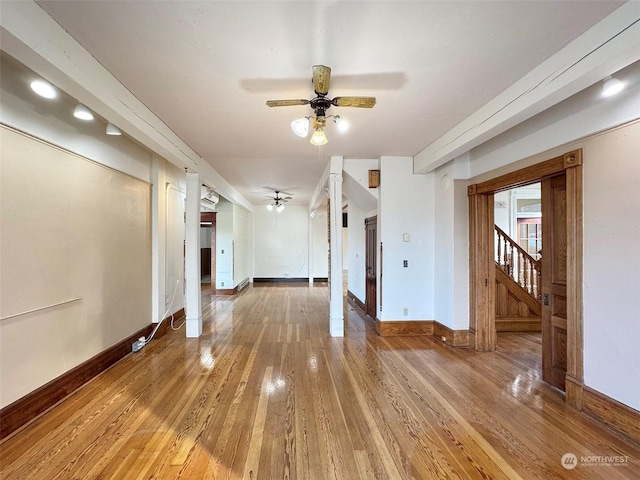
(371, 226)
(554, 280)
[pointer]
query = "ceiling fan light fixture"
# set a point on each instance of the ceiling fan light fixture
(280, 208)
(82, 112)
(270, 207)
(342, 125)
(611, 86)
(301, 127)
(318, 138)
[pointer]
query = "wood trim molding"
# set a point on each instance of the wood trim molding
(615, 414)
(407, 328)
(226, 291)
(573, 159)
(358, 303)
(482, 272)
(241, 287)
(524, 176)
(575, 311)
(25, 409)
(453, 338)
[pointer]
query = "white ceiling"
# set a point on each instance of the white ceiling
(206, 70)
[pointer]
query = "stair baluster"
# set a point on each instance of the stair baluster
(518, 264)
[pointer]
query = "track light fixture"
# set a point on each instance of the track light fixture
(113, 130)
(44, 89)
(82, 112)
(611, 86)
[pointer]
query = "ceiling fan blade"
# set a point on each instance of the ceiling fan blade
(361, 102)
(286, 103)
(321, 76)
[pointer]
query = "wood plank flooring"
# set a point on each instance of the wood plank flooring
(265, 393)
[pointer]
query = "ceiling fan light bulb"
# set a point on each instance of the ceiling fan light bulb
(300, 127)
(280, 208)
(269, 207)
(318, 138)
(342, 125)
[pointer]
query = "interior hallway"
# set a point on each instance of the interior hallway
(265, 393)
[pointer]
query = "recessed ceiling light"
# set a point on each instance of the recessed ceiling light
(44, 89)
(82, 112)
(611, 86)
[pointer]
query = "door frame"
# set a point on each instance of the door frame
(482, 330)
(371, 298)
(210, 217)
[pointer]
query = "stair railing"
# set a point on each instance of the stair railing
(518, 264)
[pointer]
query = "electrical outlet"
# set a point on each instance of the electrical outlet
(405, 263)
(405, 312)
(222, 284)
(137, 345)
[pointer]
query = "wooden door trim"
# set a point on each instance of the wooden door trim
(371, 302)
(481, 294)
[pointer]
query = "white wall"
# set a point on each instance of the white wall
(173, 194)
(451, 249)
(242, 223)
(94, 327)
(224, 245)
(502, 210)
(320, 243)
(356, 252)
(406, 206)
(75, 273)
(281, 242)
(612, 264)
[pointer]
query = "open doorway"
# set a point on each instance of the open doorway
(560, 284)
(518, 257)
(208, 249)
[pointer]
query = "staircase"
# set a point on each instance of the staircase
(518, 282)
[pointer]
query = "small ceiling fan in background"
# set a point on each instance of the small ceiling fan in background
(320, 104)
(278, 201)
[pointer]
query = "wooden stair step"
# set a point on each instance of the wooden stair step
(518, 324)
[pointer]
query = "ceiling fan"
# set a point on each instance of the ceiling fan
(320, 104)
(278, 201)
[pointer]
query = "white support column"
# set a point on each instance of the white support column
(192, 256)
(158, 244)
(311, 252)
(336, 306)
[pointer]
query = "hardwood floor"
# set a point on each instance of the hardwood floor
(265, 393)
